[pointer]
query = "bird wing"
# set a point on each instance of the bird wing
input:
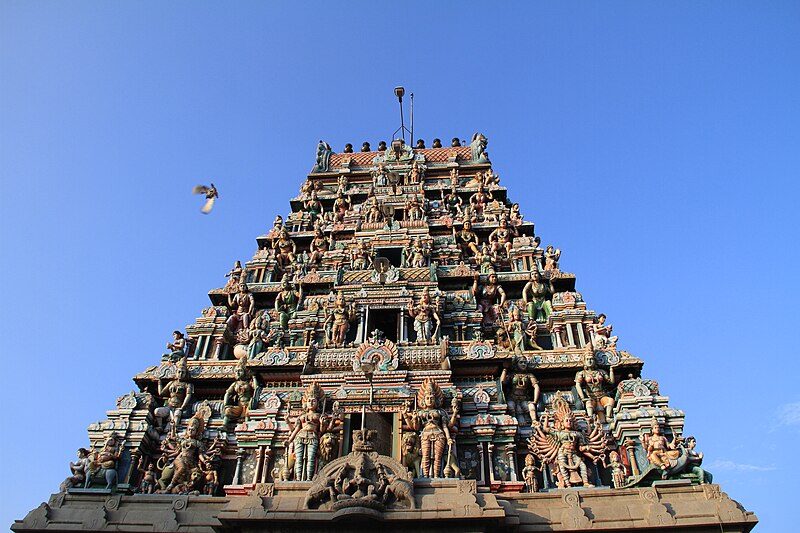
(208, 205)
(200, 189)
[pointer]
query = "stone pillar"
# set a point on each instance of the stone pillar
(259, 464)
(237, 475)
(512, 462)
(267, 454)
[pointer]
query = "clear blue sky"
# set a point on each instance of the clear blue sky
(657, 144)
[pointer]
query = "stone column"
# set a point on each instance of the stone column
(267, 454)
(237, 475)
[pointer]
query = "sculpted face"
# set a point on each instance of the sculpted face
(467, 225)
(589, 361)
(430, 400)
(492, 278)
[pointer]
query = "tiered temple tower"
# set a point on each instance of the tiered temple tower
(403, 348)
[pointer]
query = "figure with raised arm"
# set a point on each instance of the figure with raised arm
(592, 383)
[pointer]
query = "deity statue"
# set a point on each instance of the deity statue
(529, 474)
(416, 254)
(371, 208)
(341, 206)
(380, 176)
(183, 460)
(260, 336)
(319, 245)
(240, 394)
(433, 424)
(595, 381)
(515, 217)
(515, 330)
(490, 178)
(551, 257)
(178, 397)
(242, 307)
(566, 447)
(453, 202)
(417, 174)
(277, 225)
(314, 207)
(360, 256)
(79, 470)
(285, 249)
(308, 429)
(454, 179)
(337, 321)
(694, 461)
(660, 452)
(502, 238)
(149, 480)
(486, 259)
(103, 463)
(531, 331)
(234, 276)
(177, 347)
(414, 210)
(601, 335)
(477, 148)
(423, 314)
(466, 239)
(619, 475)
(479, 200)
(536, 296)
(491, 299)
(524, 391)
(323, 157)
(287, 302)
(342, 182)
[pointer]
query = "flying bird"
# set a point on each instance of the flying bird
(210, 192)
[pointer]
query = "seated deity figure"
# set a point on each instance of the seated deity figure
(592, 383)
(414, 210)
(424, 313)
(340, 206)
(480, 199)
(502, 238)
(524, 391)
(319, 245)
(234, 276)
(486, 259)
(239, 395)
(360, 256)
(79, 471)
(466, 240)
(660, 451)
(371, 208)
(285, 249)
(242, 307)
(177, 347)
(260, 336)
(536, 296)
(178, 394)
(491, 299)
(453, 202)
(601, 335)
(287, 302)
(551, 257)
(515, 217)
(314, 208)
(694, 462)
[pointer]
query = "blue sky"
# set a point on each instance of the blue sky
(655, 143)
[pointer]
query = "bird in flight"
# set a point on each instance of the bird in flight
(210, 193)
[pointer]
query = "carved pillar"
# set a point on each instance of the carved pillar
(490, 446)
(482, 470)
(134, 469)
(511, 453)
(259, 464)
(237, 475)
(362, 326)
(267, 454)
(555, 334)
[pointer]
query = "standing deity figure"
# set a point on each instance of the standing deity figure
(694, 461)
(591, 384)
(314, 208)
(79, 469)
(479, 200)
(566, 447)
(323, 157)
(423, 314)
(308, 429)
(619, 475)
(416, 254)
(523, 394)
(340, 206)
(660, 452)
(178, 397)
(319, 245)
(453, 202)
(601, 335)
(287, 302)
(239, 396)
(242, 307)
(285, 249)
(259, 336)
(454, 179)
(337, 321)
(502, 238)
(433, 424)
(414, 208)
(177, 347)
(515, 330)
(466, 240)
(529, 474)
(536, 296)
(360, 256)
(417, 174)
(380, 177)
(491, 299)
(486, 259)
(551, 257)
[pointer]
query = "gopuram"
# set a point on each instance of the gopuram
(402, 351)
